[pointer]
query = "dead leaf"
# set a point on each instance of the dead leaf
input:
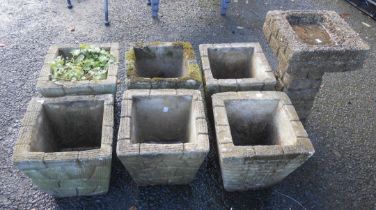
(345, 15)
(71, 29)
(133, 208)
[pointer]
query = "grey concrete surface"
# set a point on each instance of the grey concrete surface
(341, 174)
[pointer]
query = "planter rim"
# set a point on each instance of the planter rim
(22, 151)
(127, 148)
(226, 147)
(44, 82)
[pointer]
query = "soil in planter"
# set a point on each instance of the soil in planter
(313, 34)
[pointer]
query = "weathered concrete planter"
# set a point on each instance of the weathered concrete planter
(163, 136)
(308, 44)
(235, 67)
(65, 144)
(259, 137)
(162, 65)
(49, 88)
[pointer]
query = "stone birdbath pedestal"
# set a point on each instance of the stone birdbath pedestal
(308, 44)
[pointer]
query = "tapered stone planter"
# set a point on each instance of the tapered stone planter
(163, 136)
(65, 144)
(235, 67)
(259, 137)
(308, 44)
(49, 88)
(162, 65)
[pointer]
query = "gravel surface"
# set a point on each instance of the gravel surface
(341, 175)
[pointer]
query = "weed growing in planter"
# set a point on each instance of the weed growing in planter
(86, 63)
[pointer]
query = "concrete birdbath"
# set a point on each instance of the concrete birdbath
(308, 44)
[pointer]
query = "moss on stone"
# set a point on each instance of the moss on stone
(130, 58)
(194, 73)
(188, 49)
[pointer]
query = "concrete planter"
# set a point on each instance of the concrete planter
(235, 67)
(49, 88)
(162, 65)
(163, 136)
(308, 44)
(259, 137)
(65, 144)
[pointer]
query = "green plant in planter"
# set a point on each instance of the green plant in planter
(87, 63)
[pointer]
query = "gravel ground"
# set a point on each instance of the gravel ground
(341, 175)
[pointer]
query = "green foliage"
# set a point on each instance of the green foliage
(87, 63)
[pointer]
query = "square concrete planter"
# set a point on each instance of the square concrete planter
(259, 137)
(161, 65)
(163, 136)
(235, 67)
(49, 88)
(65, 144)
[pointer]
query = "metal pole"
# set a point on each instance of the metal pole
(69, 4)
(106, 22)
(224, 6)
(154, 8)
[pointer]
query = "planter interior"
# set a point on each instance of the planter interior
(161, 119)
(70, 126)
(231, 63)
(66, 51)
(310, 29)
(160, 61)
(258, 122)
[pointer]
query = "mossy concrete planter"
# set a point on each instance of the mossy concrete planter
(235, 67)
(162, 65)
(259, 137)
(49, 88)
(65, 144)
(163, 136)
(308, 44)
